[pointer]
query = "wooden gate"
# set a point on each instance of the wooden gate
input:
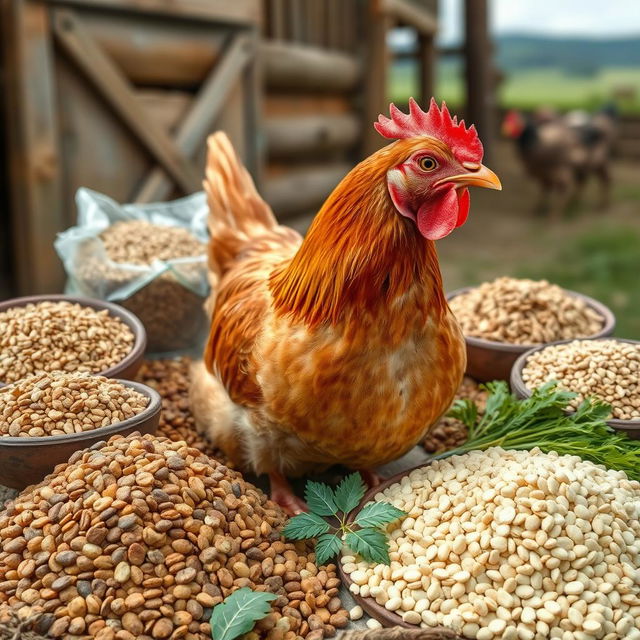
(118, 96)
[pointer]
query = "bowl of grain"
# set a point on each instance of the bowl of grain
(504, 318)
(606, 368)
(46, 417)
(57, 332)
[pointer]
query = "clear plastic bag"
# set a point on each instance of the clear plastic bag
(167, 295)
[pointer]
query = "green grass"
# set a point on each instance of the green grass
(531, 88)
(604, 264)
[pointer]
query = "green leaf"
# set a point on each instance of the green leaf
(306, 525)
(319, 497)
(349, 492)
(375, 514)
(328, 545)
(239, 612)
(371, 544)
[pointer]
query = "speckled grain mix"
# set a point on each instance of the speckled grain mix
(524, 312)
(59, 335)
(51, 404)
(606, 369)
(140, 537)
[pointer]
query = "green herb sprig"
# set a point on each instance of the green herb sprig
(239, 612)
(542, 421)
(363, 535)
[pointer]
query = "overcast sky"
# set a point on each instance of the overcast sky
(593, 18)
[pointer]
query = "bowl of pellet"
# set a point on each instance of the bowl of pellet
(507, 545)
(607, 369)
(140, 537)
(47, 417)
(41, 334)
(506, 317)
(158, 272)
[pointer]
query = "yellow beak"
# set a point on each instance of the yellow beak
(480, 177)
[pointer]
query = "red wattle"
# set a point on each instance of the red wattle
(464, 201)
(438, 216)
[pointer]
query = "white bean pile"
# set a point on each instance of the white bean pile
(512, 545)
(606, 369)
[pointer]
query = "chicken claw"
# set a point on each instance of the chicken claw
(371, 478)
(282, 494)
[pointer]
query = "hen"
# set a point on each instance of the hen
(339, 348)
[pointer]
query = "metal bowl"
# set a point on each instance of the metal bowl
(26, 461)
(129, 365)
(520, 389)
(489, 360)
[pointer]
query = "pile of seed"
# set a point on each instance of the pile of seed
(512, 545)
(140, 242)
(59, 335)
(524, 312)
(606, 369)
(170, 311)
(449, 433)
(170, 378)
(51, 404)
(140, 537)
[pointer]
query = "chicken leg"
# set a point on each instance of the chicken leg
(283, 495)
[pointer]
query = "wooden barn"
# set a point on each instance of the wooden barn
(120, 95)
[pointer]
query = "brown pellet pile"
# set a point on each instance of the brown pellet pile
(50, 404)
(140, 537)
(524, 312)
(60, 335)
(170, 378)
(449, 433)
(606, 369)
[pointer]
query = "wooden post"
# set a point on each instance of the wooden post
(377, 74)
(426, 68)
(478, 71)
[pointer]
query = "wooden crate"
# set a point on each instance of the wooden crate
(118, 96)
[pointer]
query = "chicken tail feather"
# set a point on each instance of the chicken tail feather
(237, 213)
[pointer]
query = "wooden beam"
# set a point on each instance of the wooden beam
(426, 67)
(295, 136)
(304, 68)
(478, 71)
(411, 15)
(35, 171)
(118, 92)
(237, 11)
(206, 107)
(302, 190)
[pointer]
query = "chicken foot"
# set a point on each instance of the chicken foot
(283, 495)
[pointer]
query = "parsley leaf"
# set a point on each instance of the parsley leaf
(376, 514)
(349, 492)
(239, 612)
(328, 545)
(305, 525)
(319, 497)
(371, 544)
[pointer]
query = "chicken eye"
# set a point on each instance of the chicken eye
(427, 163)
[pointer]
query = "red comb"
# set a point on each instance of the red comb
(437, 123)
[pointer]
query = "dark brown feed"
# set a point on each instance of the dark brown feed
(448, 432)
(140, 537)
(170, 378)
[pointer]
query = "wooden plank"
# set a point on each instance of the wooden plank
(411, 15)
(377, 73)
(277, 20)
(289, 137)
(426, 67)
(238, 11)
(294, 104)
(166, 108)
(303, 189)
(303, 68)
(154, 51)
(206, 107)
(32, 136)
(117, 91)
